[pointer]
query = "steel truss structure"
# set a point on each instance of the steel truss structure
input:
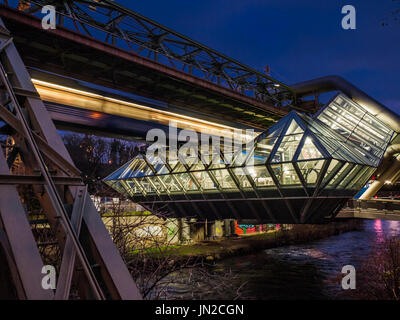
(301, 170)
(107, 21)
(90, 261)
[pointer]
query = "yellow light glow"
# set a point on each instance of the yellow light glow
(52, 92)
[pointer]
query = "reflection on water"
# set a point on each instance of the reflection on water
(306, 271)
(378, 231)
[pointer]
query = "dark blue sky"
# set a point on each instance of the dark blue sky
(300, 40)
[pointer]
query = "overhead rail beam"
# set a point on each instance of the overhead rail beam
(111, 23)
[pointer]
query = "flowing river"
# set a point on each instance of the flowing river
(298, 271)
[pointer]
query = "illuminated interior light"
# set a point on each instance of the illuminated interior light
(252, 172)
(286, 170)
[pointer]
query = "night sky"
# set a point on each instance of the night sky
(299, 40)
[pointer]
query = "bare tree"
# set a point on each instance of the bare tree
(148, 246)
(147, 242)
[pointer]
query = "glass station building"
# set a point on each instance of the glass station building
(301, 170)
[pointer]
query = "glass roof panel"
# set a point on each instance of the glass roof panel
(286, 149)
(349, 177)
(162, 169)
(205, 181)
(170, 183)
(143, 170)
(294, 128)
(197, 166)
(337, 178)
(364, 133)
(241, 158)
(217, 162)
(189, 160)
(242, 178)
(156, 184)
(117, 186)
(146, 185)
(224, 179)
(186, 181)
(261, 176)
(310, 170)
(261, 152)
(334, 167)
(121, 172)
(179, 168)
(309, 150)
(285, 174)
(134, 187)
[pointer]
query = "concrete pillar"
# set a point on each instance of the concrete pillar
(219, 228)
(227, 227)
(184, 230)
(391, 173)
(172, 226)
(233, 227)
(211, 229)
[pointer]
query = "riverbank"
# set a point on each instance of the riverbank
(220, 249)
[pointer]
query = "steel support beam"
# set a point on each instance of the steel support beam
(42, 148)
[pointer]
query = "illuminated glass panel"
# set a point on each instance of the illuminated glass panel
(117, 185)
(134, 186)
(217, 162)
(241, 176)
(186, 181)
(197, 166)
(334, 167)
(343, 133)
(147, 187)
(179, 168)
(162, 169)
(261, 152)
(285, 174)
(368, 134)
(170, 183)
(261, 176)
(349, 177)
(224, 179)
(205, 181)
(309, 150)
(156, 184)
(241, 154)
(287, 148)
(310, 170)
(337, 178)
(293, 128)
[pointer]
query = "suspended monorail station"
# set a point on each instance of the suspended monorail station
(301, 170)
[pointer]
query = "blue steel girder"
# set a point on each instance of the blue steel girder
(109, 22)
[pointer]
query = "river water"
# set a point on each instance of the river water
(303, 271)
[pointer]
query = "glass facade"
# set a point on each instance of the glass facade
(301, 170)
